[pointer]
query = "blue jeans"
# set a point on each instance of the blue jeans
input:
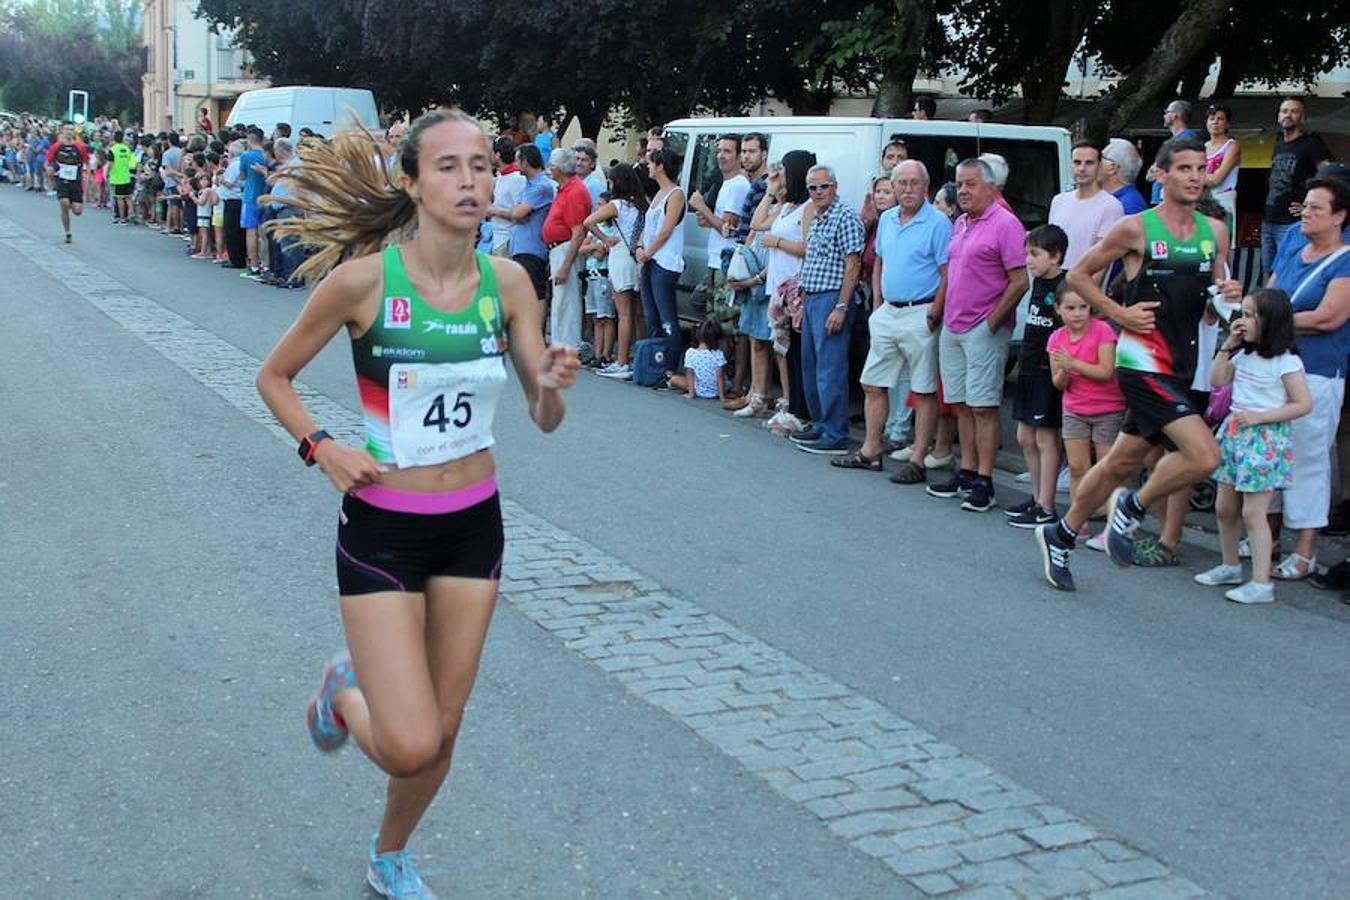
(825, 366)
(1271, 235)
(659, 307)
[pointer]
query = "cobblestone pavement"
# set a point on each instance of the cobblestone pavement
(938, 818)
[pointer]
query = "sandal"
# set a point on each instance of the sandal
(857, 461)
(910, 473)
(1294, 567)
(1150, 552)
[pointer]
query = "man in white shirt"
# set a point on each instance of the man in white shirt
(721, 221)
(1087, 212)
(505, 193)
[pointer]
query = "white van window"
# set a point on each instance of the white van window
(1033, 176)
(678, 142)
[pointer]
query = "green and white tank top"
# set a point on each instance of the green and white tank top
(429, 379)
(1177, 274)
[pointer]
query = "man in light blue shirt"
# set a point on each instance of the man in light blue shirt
(588, 170)
(527, 238)
(909, 285)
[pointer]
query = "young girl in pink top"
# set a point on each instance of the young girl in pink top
(1083, 368)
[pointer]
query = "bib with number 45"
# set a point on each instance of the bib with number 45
(440, 412)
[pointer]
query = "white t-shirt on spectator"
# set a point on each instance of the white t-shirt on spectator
(505, 194)
(1084, 221)
(1258, 380)
(730, 199)
(705, 365)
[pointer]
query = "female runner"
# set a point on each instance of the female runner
(420, 530)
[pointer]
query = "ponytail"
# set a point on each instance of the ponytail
(349, 195)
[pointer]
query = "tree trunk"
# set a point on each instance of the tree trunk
(1230, 74)
(1044, 83)
(1187, 36)
(895, 95)
(591, 118)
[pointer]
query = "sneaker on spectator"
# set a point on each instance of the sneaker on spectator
(806, 436)
(1019, 508)
(980, 498)
(1096, 542)
(1252, 592)
(1032, 518)
(822, 447)
(622, 373)
(904, 454)
(956, 486)
(1220, 574)
(939, 462)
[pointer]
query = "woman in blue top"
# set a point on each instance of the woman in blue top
(1313, 268)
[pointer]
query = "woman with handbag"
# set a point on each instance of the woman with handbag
(627, 208)
(1313, 267)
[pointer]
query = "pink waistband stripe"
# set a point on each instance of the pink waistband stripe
(395, 500)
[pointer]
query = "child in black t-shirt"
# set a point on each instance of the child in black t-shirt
(1036, 401)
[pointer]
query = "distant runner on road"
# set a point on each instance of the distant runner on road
(420, 536)
(66, 160)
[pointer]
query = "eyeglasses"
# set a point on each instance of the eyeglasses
(820, 188)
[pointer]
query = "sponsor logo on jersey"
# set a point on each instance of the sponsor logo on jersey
(398, 312)
(455, 328)
(1159, 250)
(397, 352)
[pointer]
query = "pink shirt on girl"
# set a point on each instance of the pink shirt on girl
(1085, 396)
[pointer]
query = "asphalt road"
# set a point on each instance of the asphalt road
(169, 598)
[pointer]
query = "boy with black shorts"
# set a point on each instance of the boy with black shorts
(1170, 254)
(1036, 402)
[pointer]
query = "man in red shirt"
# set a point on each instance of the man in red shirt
(66, 159)
(562, 233)
(204, 122)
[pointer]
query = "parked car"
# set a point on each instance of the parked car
(324, 110)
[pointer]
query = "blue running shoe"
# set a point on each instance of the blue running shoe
(1054, 557)
(324, 729)
(392, 875)
(1120, 528)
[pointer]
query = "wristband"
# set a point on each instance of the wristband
(310, 443)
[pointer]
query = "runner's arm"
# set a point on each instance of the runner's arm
(1125, 237)
(543, 371)
(336, 302)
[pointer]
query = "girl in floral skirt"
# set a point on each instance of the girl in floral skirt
(1256, 450)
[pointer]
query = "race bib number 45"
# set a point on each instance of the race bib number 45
(442, 412)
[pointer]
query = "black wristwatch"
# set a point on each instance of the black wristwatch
(309, 443)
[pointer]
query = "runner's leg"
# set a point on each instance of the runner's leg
(458, 613)
(393, 715)
(65, 215)
(1196, 457)
(1126, 456)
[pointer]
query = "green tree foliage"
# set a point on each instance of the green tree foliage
(50, 47)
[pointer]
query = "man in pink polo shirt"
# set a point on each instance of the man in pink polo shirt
(986, 277)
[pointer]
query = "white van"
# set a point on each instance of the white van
(323, 110)
(1038, 160)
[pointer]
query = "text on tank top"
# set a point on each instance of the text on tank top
(430, 379)
(1177, 274)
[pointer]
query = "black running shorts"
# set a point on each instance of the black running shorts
(70, 190)
(122, 190)
(385, 550)
(1152, 402)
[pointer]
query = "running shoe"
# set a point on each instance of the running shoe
(808, 436)
(1055, 557)
(1032, 518)
(1120, 528)
(67, 237)
(1018, 509)
(324, 729)
(392, 875)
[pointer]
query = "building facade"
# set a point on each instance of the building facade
(188, 67)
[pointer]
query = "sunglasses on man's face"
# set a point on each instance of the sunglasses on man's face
(820, 188)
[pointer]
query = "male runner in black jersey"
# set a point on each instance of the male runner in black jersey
(66, 160)
(1172, 256)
